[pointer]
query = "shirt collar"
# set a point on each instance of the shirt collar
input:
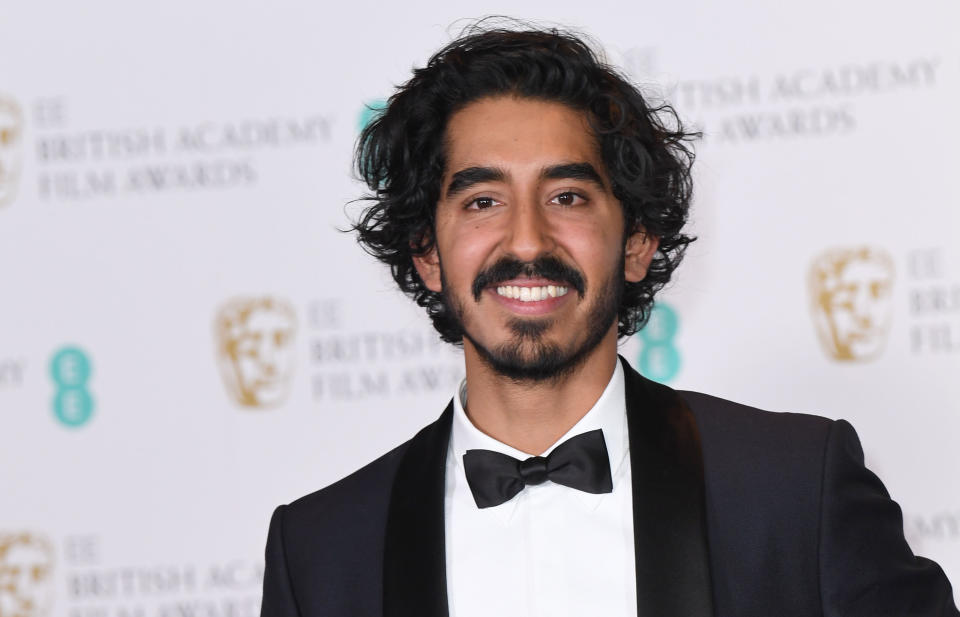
(607, 414)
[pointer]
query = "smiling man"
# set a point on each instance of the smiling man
(530, 260)
(531, 200)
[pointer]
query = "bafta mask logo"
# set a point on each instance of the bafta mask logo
(255, 349)
(11, 156)
(850, 289)
(26, 575)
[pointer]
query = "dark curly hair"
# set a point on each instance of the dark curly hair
(400, 154)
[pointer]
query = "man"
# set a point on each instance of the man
(531, 201)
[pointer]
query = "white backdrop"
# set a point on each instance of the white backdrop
(186, 340)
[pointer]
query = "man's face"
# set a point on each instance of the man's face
(526, 210)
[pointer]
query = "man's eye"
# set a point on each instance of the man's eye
(568, 198)
(481, 203)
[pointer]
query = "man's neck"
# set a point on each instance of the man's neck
(533, 416)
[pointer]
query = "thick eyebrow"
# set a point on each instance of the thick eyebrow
(470, 176)
(574, 171)
(465, 178)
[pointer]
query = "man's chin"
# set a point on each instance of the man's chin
(527, 361)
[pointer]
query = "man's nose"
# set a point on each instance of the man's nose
(529, 235)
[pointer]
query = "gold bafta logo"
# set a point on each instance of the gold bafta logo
(11, 157)
(851, 293)
(26, 575)
(255, 349)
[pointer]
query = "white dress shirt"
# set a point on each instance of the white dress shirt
(551, 551)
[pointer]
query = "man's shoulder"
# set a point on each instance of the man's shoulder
(362, 493)
(746, 449)
(361, 499)
(332, 539)
(767, 461)
(722, 420)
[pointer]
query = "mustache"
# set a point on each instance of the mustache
(547, 266)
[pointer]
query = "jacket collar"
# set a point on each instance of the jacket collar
(669, 518)
(414, 565)
(669, 512)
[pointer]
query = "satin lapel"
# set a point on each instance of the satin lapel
(414, 557)
(669, 514)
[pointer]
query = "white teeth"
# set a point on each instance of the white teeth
(531, 294)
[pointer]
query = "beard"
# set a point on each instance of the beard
(527, 357)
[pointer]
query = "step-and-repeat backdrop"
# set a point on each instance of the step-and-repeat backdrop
(187, 337)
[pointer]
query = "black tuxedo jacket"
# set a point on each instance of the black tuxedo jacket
(737, 512)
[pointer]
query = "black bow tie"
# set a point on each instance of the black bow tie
(581, 462)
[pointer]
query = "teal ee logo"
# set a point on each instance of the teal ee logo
(371, 109)
(659, 358)
(70, 370)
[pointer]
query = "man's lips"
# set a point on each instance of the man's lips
(530, 296)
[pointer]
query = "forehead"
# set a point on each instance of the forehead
(518, 132)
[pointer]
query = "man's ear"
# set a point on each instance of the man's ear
(428, 267)
(638, 253)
